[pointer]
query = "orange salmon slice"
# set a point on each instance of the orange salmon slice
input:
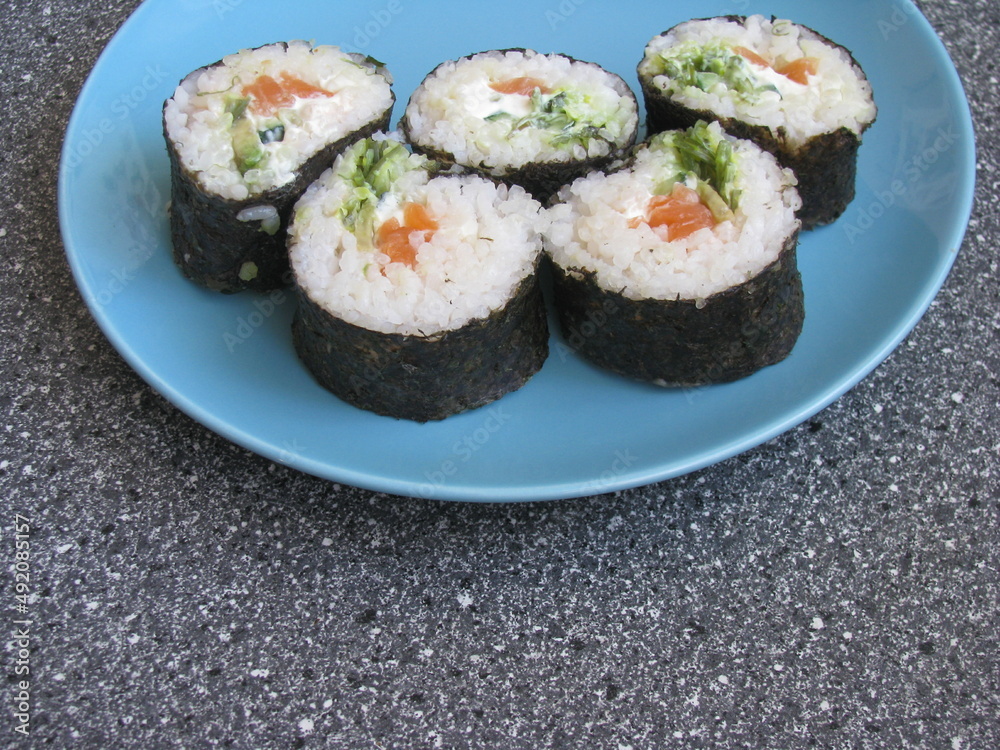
(681, 212)
(393, 238)
(268, 95)
(800, 70)
(524, 86)
(797, 70)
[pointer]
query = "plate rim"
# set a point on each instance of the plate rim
(518, 492)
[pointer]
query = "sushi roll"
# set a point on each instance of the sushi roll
(679, 269)
(790, 90)
(539, 121)
(245, 137)
(418, 289)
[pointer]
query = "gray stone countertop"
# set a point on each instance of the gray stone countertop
(836, 587)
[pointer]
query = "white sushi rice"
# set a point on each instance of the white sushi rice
(448, 110)
(838, 96)
(487, 242)
(589, 230)
(198, 124)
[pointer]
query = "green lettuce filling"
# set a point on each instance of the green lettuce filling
(372, 167)
(707, 159)
(249, 140)
(565, 113)
(236, 105)
(705, 66)
(248, 151)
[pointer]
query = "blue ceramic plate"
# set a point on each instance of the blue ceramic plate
(572, 430)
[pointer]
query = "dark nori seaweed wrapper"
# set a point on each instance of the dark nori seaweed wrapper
(826, 165)
(681, 343)
(425, 378)
(541, 179)
(211, 246)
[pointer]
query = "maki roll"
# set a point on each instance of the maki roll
(679, 269)
(539, 121)
(245, 137)
(418, 289)
(785, 87)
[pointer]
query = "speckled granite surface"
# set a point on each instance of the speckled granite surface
(836, 587)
